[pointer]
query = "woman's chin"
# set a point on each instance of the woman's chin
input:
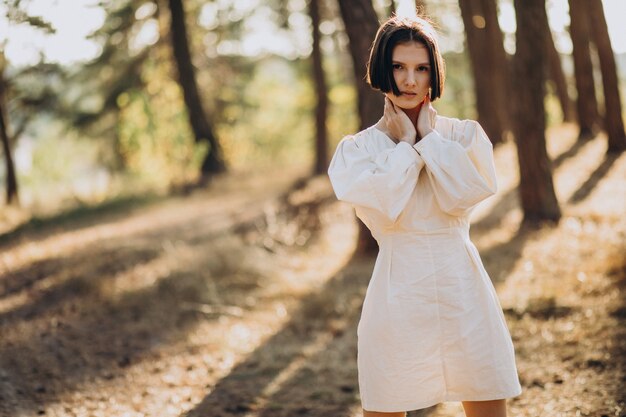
(406, 102)
(409, 104)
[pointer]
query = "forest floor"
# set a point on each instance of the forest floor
(242, 299)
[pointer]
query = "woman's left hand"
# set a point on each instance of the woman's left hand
(426, 118)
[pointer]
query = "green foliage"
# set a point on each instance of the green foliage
(342, 112)
(155, 140)
(270, 121)
(342, 117)
(62, 168)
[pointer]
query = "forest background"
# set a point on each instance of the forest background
(95, 110)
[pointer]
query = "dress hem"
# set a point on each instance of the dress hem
(445, 398)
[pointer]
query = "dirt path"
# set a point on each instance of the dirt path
(226, 303)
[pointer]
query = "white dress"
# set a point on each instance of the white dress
(431, 327)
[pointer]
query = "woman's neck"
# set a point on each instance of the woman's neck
(413, 113)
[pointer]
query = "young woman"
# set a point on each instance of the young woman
(431, 328)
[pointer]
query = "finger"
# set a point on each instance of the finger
(392, 106)
(388, 103)
(388, 108)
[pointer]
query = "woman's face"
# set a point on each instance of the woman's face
(411, 71)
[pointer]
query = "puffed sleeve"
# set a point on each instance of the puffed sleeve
(383, 181)
(461, 171)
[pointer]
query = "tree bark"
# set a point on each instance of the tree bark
(213, 162)
(536, 188)
(321, 93)
(586, 103)
(489, 65)
(361, 23)
(613, 123)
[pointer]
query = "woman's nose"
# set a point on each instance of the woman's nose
(410, 79)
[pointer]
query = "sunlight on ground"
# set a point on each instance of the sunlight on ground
(182, 314)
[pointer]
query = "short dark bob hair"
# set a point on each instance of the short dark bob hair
(397, 30)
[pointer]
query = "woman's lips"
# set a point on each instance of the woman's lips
(409, 94)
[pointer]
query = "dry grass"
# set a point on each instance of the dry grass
(237, 301)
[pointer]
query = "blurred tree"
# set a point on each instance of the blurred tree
(121, 69)
(98, 84)
(361, 23)
(25, 99)
(213, 162)
(537, 194)
(586, 103)
(555, 72)
(321, 92)
(12, 196)
(613, 121)
(489, 65)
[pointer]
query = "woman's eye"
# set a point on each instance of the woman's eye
(423, 68)
(396, 66)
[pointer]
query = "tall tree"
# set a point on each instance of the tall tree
(321, 92)
(16, 15)
(361, 24)
(501, 71)
(213, 162)
(555, 72)
(489, 65)
(12, 196)
(586, 102)
(537, 194)
(613, 122)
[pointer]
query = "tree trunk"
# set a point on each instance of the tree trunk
(614, 124)
(555, 70)
(586, 103)
(12, 197)
(500, 71)
(213, 162)
(361, 24)
(321, 92)
(489, 65)
(536, 188)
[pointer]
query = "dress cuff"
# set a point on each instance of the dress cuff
(413, 155)
(425, 142)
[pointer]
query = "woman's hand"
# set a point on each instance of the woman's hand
(426, 118)
(398, 123)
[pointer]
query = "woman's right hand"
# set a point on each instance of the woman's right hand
(398, 124)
